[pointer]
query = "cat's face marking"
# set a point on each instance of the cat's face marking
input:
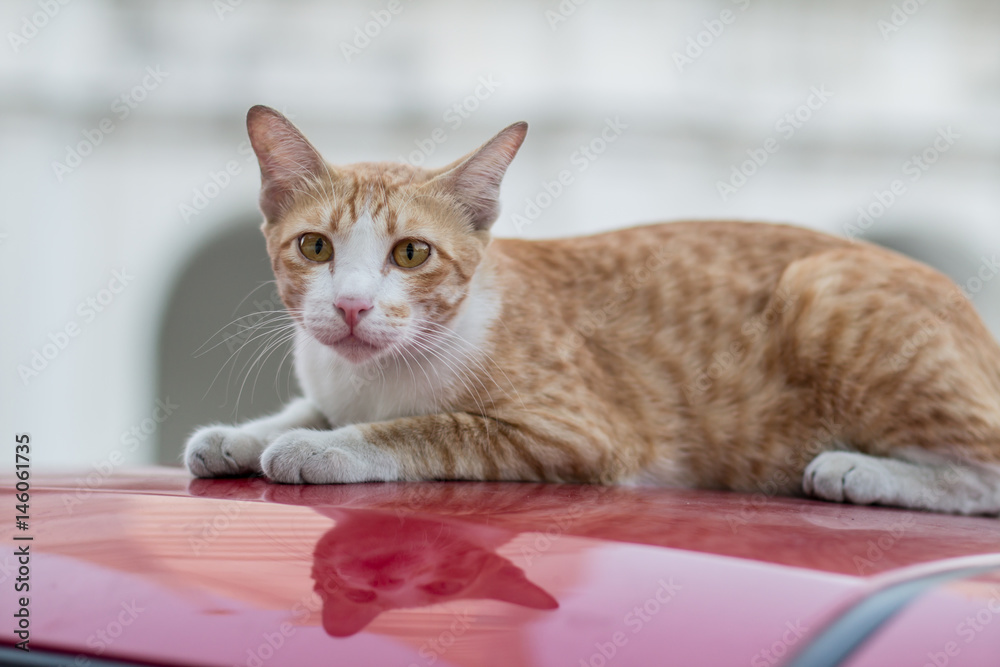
(362, 270)
(364, 211)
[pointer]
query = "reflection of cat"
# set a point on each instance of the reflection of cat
(372, 562)
(719, 523)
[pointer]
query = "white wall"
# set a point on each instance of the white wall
(62, 239)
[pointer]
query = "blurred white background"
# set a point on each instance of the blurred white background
(120, 119)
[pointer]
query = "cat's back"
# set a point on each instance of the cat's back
(679, 264)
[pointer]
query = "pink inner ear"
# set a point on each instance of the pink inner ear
(476, 182)
(287, 159)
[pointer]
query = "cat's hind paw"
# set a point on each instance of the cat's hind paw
(223, 451)
(341, 456)
(846, 477)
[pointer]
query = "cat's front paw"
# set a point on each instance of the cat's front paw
(846, 477)
(223, 451)
(341, 456)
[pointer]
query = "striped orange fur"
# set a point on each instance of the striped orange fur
(719, 355)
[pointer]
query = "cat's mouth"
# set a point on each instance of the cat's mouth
(354, 348)
(352, 345)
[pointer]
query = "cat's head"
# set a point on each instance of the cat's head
(371, 563)
(371, 256)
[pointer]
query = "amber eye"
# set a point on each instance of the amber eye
(409, 253)
(316, 247)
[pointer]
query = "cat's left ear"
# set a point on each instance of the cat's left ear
(287, 160)
(475, 179)
(343, 618)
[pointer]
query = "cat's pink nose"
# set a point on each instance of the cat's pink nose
(351, 308)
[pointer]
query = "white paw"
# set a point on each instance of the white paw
(222, 451)
(846, 477)
(303, 456)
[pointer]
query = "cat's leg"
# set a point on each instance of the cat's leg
(440, 446)
(925, 481)
(224, 451)
(895, 356)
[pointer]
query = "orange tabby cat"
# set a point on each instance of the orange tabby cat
(714, 354)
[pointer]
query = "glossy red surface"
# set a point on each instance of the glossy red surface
(154, 566)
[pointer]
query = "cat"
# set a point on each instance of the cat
(372, 562)
(717, 355)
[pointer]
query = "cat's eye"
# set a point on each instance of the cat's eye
(443, 587)
(315, 247)
(359, 596)
(410, 253)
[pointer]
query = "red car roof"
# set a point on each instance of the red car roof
(156, 567)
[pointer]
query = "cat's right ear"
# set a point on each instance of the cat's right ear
(287, 160)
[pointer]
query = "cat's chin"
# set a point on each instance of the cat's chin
(354, 349)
